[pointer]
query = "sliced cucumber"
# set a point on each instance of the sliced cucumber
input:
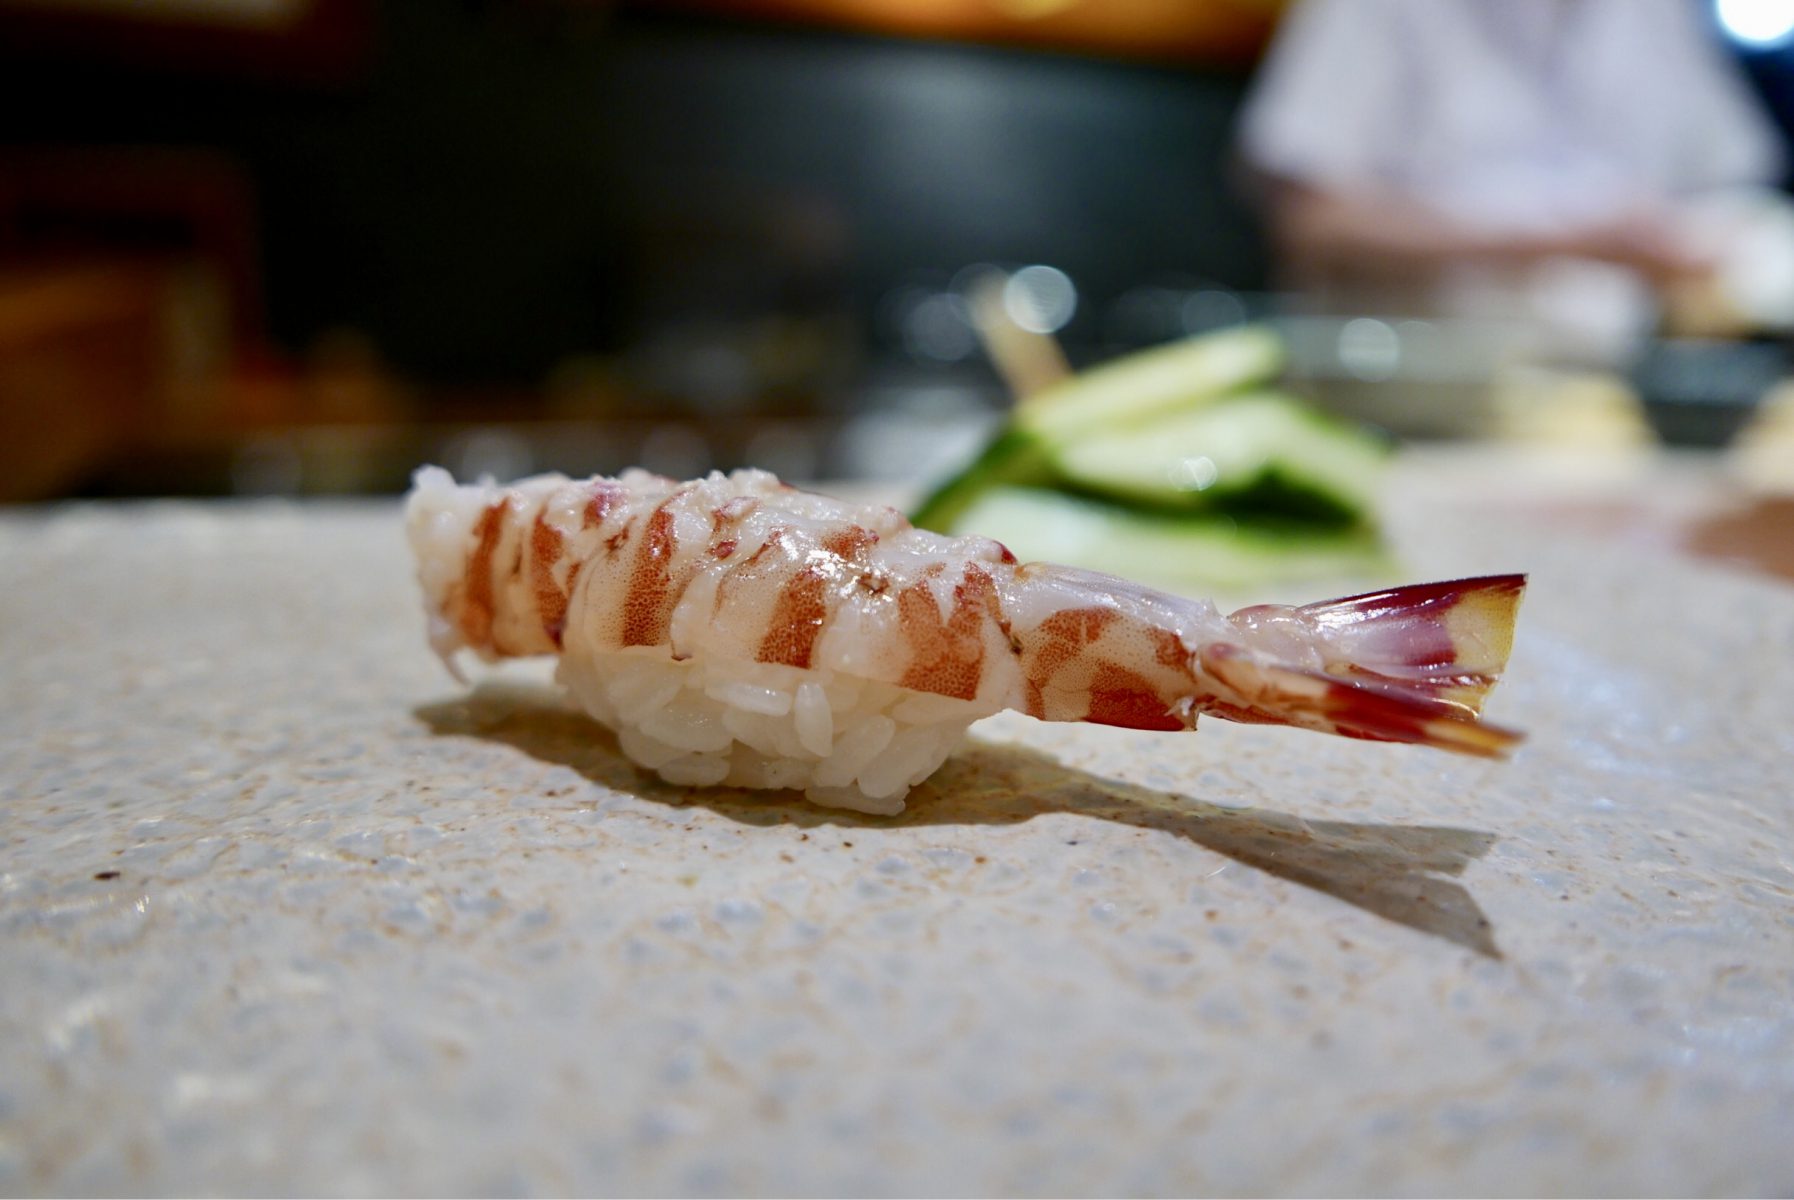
(1167, 466)
(1139, 388)
(1260, 452)
(1128, 392)
(1191, 551)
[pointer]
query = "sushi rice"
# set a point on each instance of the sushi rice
(845, 742)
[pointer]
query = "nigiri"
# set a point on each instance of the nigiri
(735, 631)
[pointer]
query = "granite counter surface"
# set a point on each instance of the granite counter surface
(285, 909)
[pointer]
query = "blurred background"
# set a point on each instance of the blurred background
(300, 246)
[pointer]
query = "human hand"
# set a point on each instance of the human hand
(1651, 243)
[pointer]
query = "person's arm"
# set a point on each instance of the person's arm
(1372, 235)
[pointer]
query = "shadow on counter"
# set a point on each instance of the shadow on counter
(1402, 873)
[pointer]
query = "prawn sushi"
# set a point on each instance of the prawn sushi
(735, 631)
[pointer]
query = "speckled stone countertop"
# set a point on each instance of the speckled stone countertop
(284, 909)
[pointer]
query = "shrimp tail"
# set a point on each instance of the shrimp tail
(1410, 664)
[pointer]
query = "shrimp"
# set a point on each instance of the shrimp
(745, 600)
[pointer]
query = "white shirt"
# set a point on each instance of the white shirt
(1515, 116)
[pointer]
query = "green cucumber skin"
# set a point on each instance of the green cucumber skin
(1271, 498)
(1297, 462)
